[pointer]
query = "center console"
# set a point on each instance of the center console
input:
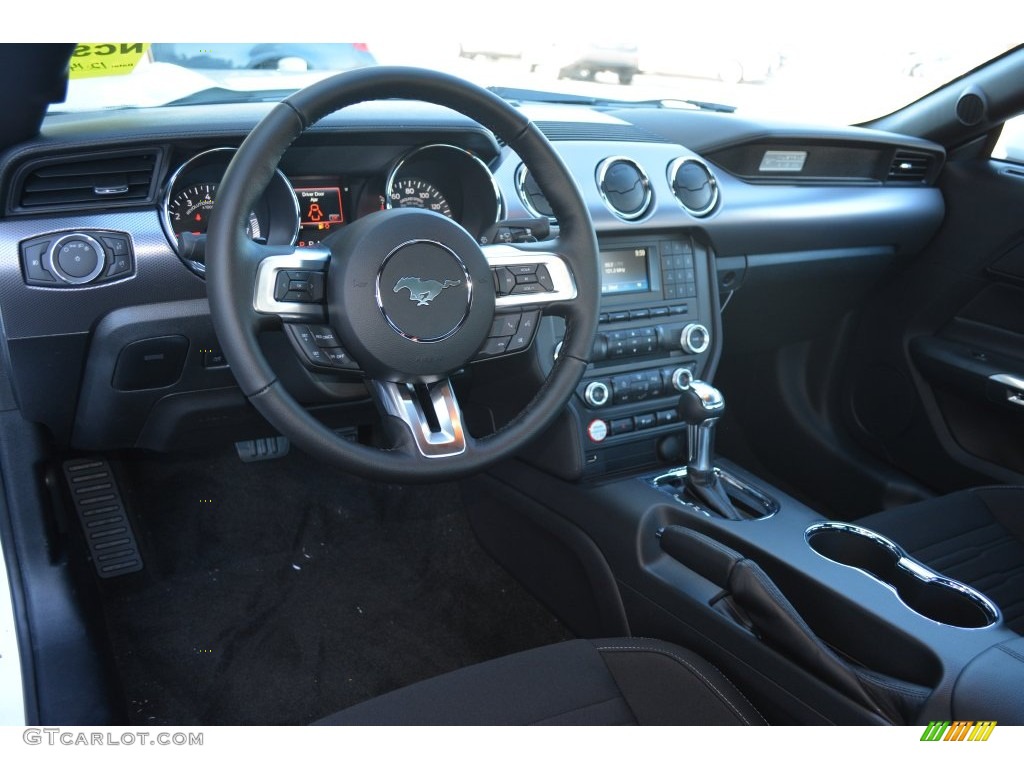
(647, 532)
(657, 331)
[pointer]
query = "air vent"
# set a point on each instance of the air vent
(96, 180)
(694, 186)
(625, 187)
(909, 167)
(531, 196)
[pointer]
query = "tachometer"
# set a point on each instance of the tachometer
(416, 193)
(189, 211)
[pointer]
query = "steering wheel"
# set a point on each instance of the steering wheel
(410, 294)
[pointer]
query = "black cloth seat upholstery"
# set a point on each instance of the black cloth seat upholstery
(974, 536)
(580, 682)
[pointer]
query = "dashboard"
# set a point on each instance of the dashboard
(103, 233)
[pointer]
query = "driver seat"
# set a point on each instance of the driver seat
(625, 681)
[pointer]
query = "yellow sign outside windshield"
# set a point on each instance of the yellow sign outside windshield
(105, 59)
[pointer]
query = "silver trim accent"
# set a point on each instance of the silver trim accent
(410, 155)
(51, 259)
(311, 258)
(504, 255)
(686, 343)
(520, 182)
(467, 278)
(1013, 382)
(681, 378)
(668, 481)
(401, 401)
(602, 170)
(595, 400)
(907, 563)
(673, 169)
(165, 215)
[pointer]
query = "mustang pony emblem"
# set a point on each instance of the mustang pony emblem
(424, 291)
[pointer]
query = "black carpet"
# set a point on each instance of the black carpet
(282, 591)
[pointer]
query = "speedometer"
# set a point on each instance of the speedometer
(416, 193)
(189, 211)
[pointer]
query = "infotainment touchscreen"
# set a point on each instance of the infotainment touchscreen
(624, 271)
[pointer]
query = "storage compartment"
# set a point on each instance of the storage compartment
(931, 595)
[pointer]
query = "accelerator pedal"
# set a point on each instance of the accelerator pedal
(103, 517)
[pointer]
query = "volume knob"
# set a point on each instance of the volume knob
(596, 394)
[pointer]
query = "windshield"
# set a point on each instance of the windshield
(772, 69)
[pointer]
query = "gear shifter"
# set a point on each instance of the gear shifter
(700, 406)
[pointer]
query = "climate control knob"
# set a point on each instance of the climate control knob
(695, 338)
(596, 394)
(681, 378)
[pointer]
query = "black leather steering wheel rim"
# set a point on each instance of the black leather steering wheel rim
(232, 261)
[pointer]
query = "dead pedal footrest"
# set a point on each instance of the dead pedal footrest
(103, 517)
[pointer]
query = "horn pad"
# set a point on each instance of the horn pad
(410, 294)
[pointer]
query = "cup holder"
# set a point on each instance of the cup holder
(933, 596)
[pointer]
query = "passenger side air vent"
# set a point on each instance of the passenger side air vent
(624, 187)
(909, 167)
(694, 186)
(94, 180)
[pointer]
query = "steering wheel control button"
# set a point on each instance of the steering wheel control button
(524, 335)
(495, 347)
(299, 286)
(324, 336)
(597, 430)
(504, 281)
(505, 325)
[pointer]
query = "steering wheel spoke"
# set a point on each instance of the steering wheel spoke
(291, 284)
(429, 412)
(529, 278)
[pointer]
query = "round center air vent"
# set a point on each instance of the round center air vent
(624, 186)
(694, 186)
(531, 196)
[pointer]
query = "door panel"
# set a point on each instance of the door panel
(921, 391)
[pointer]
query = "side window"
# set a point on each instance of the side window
(1011, 141)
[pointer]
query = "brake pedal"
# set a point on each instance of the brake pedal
(103, 517)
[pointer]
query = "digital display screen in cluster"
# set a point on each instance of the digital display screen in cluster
(319, 213)
(624, 271)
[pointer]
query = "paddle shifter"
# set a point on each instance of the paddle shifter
(700, 406)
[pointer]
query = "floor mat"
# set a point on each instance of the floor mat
(280, 592)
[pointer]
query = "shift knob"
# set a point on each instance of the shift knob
(700, 402)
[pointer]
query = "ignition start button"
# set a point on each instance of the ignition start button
(597, 430)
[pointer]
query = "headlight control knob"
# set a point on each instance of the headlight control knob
(76, 259)
(695, 338)
(596, 394)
